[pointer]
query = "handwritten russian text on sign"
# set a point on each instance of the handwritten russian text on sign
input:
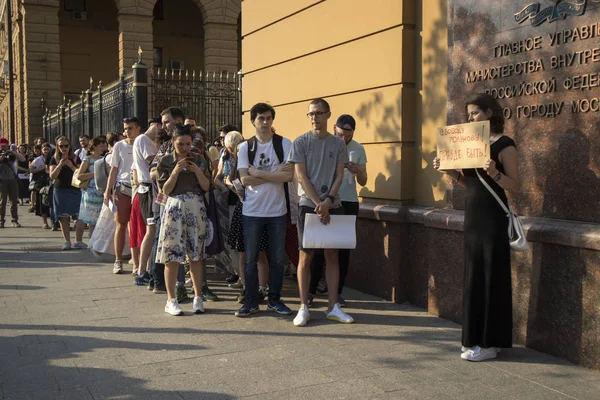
(463, 145)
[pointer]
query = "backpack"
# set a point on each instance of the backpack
(101, 172)
(278, 147)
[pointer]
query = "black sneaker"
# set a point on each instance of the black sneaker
(142, 280)
(159, 288)
(246, 311)
(322, 287)
(310, 301)
(279, 307)
(181, 294)
(208, 295)
(233, 278)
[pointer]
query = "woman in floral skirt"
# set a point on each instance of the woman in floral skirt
(184, 222)
(91, 197)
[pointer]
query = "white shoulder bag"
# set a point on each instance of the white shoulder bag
(516, 234)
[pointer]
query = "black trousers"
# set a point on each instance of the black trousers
(9, 193)
(318, 261)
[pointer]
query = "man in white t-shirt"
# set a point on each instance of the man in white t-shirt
(265, 173)
(142, 229)
(84, 141)
(119, 190)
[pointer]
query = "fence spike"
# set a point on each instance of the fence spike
(91, 82)
(193, 74)
(99, 84)
(214, 76)
(200, 76)
(187, 74)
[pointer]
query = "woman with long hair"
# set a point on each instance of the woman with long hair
(184, 223)
(91, 198)
(66, 198)
(487, 296)
(37, 151)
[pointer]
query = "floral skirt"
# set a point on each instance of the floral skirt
(182, 229)
(235, 240)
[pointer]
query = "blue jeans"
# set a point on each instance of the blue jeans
(276, 229)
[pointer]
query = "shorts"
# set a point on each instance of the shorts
(302, 211)
(146, 204)
(137, 224)
(123, 207)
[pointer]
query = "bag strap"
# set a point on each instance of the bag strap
(506, 209)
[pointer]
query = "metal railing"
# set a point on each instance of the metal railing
(213, 99)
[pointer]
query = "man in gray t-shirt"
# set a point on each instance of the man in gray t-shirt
(319, 159)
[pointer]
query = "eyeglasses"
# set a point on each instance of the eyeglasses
(221, 137)
(316, 114)
(63, 146)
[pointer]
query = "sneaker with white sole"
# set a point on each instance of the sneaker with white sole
(237, 285)
(337, 314)
(172, 307)
(66, 246)
(302, 317)
(118, 267)
(479, 354)
(198, 305)
(80, 245)
(463, 349)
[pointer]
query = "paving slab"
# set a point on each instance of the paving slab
(70, 329)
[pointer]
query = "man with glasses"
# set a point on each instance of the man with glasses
(355, 171)
(319, 159)
(119, 190)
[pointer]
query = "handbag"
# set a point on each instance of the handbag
(213, 244)
(516, 234)
(77, 183)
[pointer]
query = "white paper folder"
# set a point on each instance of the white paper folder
(340, 233)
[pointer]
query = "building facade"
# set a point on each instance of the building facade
(58, 45)
(403, 68)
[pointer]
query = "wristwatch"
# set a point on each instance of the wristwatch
(497, 177)
(332, 198)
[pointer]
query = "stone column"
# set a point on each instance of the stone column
(135, 31)
(41, 62)
(220, 47)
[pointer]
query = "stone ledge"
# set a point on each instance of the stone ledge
(542, 230)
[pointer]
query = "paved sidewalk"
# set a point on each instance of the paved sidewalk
(70, 329)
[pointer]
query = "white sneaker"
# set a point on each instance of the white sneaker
(237, 285)
(118, 267)
(337, 314)
(130, 262)
(198, 305)
(66, 246)
(479, 354)
(463, 349)
(80, 245)
(302, 317)
(172, 307)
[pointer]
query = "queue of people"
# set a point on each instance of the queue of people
(158, 185)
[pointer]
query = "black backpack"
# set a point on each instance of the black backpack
(278, 147)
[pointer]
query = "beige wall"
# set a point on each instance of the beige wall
(432, 70)
(89, 48)
(180, 34)
(364, 67)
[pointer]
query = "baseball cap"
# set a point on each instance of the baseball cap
(346, 119)
(3, 141)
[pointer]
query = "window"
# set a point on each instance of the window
(75, 5)
(157, 57)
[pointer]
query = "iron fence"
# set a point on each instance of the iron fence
(213, 99)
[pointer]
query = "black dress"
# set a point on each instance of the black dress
(487, 298)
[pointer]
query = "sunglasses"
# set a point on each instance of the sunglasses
(64, 146)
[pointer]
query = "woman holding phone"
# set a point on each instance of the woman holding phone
(66, 198)
(487, 296)
(184, 222)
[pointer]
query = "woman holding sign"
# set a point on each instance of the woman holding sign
(487, 297)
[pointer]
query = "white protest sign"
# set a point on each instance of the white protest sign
(463, 145)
